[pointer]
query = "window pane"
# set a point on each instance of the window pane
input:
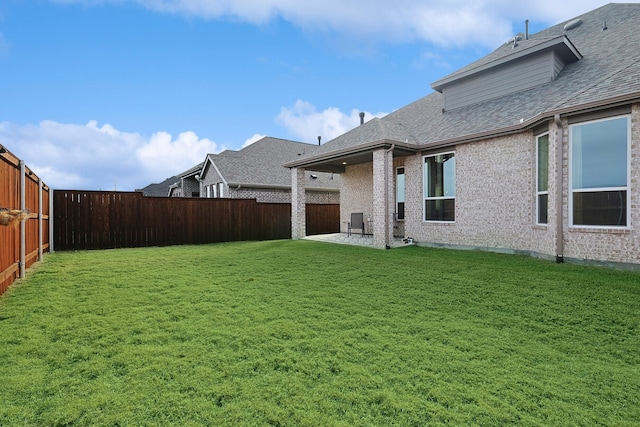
(543, 163)
(599, 154)
(440, 175)
(543, 200)
(400, 185)
(440, 210)
(401, 210)
(449, 166)
(600, 208)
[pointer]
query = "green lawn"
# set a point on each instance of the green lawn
(300, 333)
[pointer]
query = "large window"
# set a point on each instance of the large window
(400, 193)
(599, 172)
(542, 190)
(440, 187)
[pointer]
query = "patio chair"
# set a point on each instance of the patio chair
(356, 223)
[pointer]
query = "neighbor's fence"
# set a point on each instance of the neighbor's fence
(322, 218)
(101, 220)
(23, 242)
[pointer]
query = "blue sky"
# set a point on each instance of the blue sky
(117, 94)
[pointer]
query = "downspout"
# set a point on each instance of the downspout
(386, 196)
(559, 191)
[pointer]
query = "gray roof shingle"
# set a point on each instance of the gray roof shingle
(260, 164)
(609, 71)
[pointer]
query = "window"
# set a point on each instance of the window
(440, 187)
(400, 193)
(599, 172)
(542, 188)
(220, 187)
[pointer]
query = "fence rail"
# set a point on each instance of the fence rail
(105, 220)
(23, 243)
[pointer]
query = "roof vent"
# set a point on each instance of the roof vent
(572, 24)
(515, 39)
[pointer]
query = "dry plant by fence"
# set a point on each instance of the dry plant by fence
(12, 217)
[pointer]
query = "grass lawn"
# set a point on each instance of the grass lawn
(300, 333)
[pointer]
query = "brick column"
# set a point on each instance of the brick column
(382, 198)
(298, 204)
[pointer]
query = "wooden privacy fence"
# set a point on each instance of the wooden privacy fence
(23, 197)
(103, 220)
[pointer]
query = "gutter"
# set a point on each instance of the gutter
(358, 149)
(532, 121)
(478, 136)
(239, 185)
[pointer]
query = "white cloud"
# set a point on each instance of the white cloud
(254, 138)
(93, 157)
(441, 22)
(306, 123)
(183, 153)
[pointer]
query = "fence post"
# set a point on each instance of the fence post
(51, 234)
(40, 219)
(23, 224)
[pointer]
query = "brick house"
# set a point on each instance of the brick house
(256, 172)
(533, 149)
(187, 184)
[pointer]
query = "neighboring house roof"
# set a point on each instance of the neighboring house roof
(160, 189)
(596, 68)
(191, 171)
(259, 165)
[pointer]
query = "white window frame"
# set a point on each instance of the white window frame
(626, 188)
(425, 196)
(404, 188)
(538, 192)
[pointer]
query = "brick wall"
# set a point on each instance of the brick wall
(190, 186)
(610, 245)
(356, 194)
(210, 177)
(282, 196)
(495, 196)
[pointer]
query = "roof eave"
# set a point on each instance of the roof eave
(535, 120)
(350, 151)
(240, 185)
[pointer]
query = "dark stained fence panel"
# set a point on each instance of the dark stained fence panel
(322, 219)
(106, 220)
